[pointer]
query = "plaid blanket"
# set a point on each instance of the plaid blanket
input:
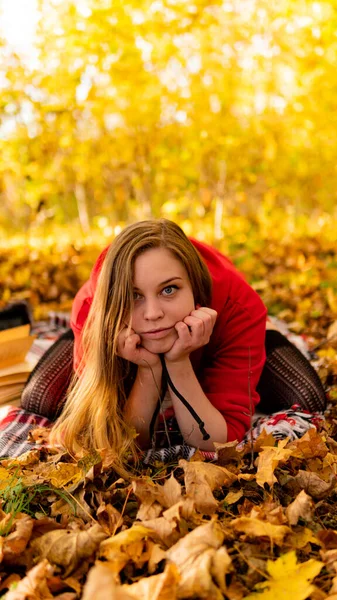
(16, 423)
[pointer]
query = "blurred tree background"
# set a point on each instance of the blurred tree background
(220, 115)
(190, 109)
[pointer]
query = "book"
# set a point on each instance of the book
(15, 368)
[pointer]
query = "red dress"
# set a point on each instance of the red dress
(228, 368)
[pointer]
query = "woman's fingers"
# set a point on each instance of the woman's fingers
(195, 324)
(202, 321)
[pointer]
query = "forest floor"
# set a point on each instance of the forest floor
(260, 523)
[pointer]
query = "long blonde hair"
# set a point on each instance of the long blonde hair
(93, 414)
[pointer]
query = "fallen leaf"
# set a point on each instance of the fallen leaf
(16, 542)
(157, 554)
(328, 537)
(268, 460)
(200, 479)
(7, 478)
(6, 583)
(264, 439)
(288, 579)
(233, 497)
(153, 496)
(329, 557)
(258, 528)
(310, 445)
(109, 518)
(302, 507)
(27, 459)
(227, 452)
(313, 485)
(147, 492)
(332, 334)
(166, 529)
(157, 587)
(34, 585)
(68, 548)
(195, 557)
(101, 584)
(63, 474)
(125, 546)
(170, 492)
(39, 435)
(299, 539)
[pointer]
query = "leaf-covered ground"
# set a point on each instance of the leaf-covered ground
(261, 523)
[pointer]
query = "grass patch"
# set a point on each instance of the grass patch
(17, 498)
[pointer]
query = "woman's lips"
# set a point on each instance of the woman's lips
(155, 335)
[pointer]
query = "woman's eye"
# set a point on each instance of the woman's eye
(169, 290)
(136, 296)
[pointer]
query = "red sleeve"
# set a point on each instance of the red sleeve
(238, 340)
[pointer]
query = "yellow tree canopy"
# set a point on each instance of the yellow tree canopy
(183, 108)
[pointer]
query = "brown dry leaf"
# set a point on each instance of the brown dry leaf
(328, 538)
(332, 335)
(68, 548)
(257, 528)
(329, 558)
(228, 452)
(311, 445)
(16, 542)
(6, 583)
(157, 587)
(268, 460)
(39, 435)
(156, 555)
(170, 492)
(196, 558)
(109, 518)
(153, 496)
(166, 526)
(200, 479)
(246, 476)
(43, 525)
(27, 459)
(233, 497)
(269, 511)
(126, 545)
(147, 492)
(165, 529)
(101, 584)
(34, 585)
(299, 539)
(302, 507)
(313, 485)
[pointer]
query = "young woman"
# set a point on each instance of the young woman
(166, 326)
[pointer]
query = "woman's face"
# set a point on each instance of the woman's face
(162, 297)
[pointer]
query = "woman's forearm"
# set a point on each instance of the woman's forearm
(142, 402)
(186, 382)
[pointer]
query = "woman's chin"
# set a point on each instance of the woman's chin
(159, 346)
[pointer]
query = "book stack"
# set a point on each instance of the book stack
(15, 367)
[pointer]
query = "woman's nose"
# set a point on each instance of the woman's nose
(153, 310)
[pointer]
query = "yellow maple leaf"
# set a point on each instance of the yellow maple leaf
(288, 579)
(269, 459)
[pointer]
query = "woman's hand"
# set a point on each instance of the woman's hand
(129, 347)
(193, 332)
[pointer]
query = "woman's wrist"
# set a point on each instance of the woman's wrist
(179, 365)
